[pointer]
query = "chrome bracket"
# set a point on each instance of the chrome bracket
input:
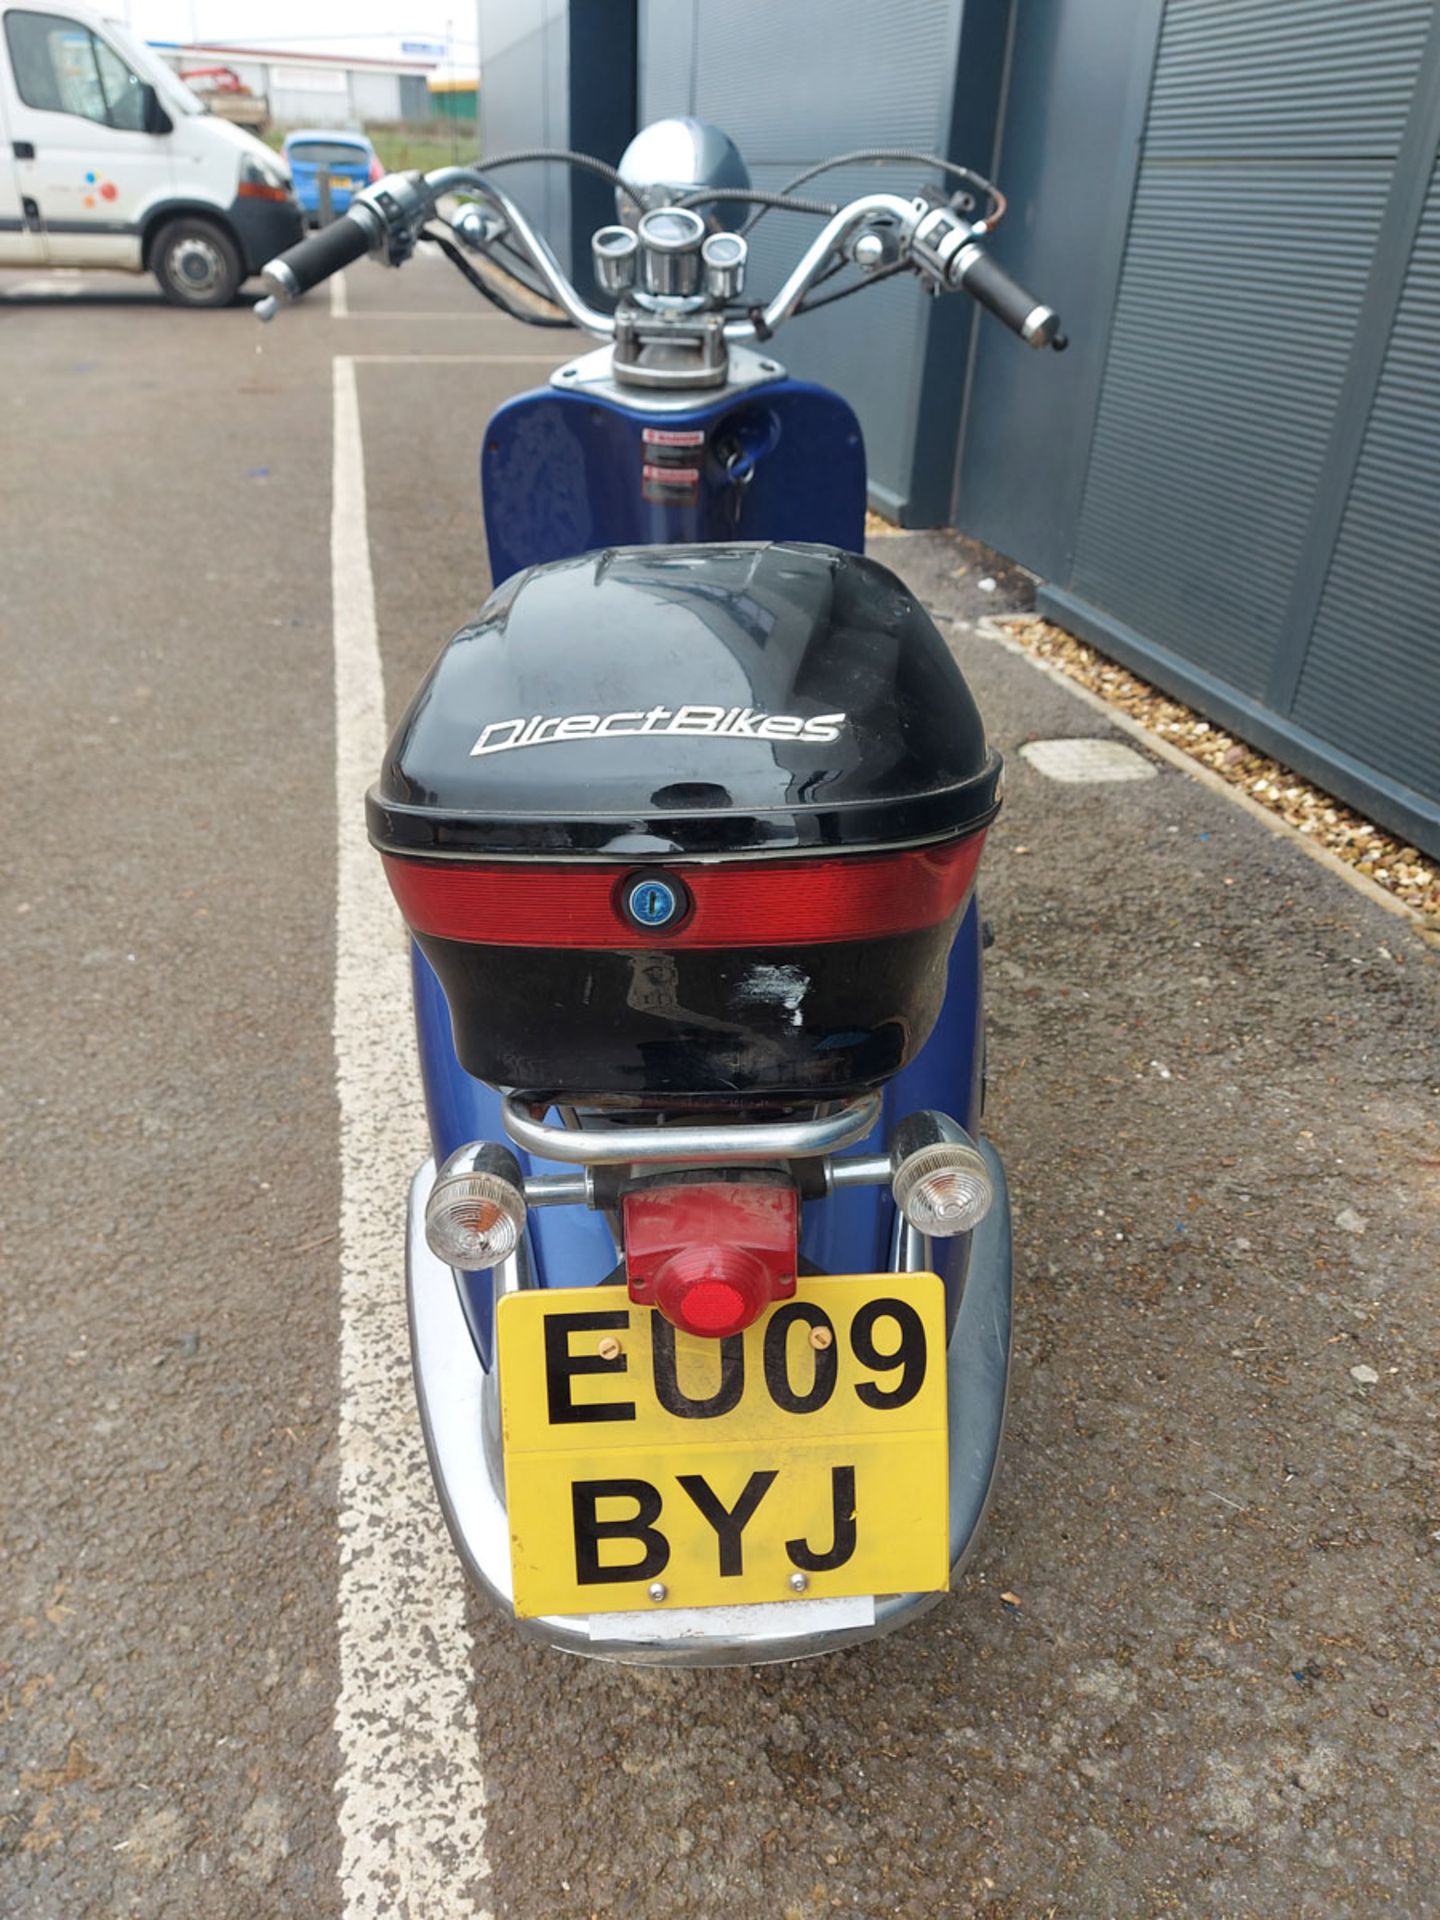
(681, 351)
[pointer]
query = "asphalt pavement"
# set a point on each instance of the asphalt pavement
(1194, 1665)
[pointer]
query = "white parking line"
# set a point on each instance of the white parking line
(45, 289)
(339, 297)
(454, 359)
(463, 314)
(412, 1798)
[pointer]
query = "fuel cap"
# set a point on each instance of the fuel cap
(654, 902)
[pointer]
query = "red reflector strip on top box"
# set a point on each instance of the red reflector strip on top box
(741, 904)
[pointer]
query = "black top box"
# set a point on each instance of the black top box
(664, 702)
(687, 822)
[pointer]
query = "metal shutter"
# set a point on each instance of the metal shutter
(1269, 148)
(1371, 679)
(791, 85)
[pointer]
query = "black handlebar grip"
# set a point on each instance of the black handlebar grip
(989, 283)
(318, 255)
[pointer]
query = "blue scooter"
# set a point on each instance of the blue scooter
(710, 1273)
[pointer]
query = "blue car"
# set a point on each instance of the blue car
(320, 155)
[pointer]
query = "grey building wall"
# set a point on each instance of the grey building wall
(1078, 81)
(1256, 525)
(377, 96)
(1379, 597)
(559, 73)
(794, 84)
(525, 102)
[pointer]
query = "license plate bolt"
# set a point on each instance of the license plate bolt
(821, 1337)
(608, 1347)
(658, 1591)
(798, 1581)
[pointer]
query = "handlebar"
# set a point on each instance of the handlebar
(988, 282)
(471, 180)
(324, 252)
(934, 240)
(387, 217)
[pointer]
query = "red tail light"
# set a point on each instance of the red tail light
(712, 1290)
(737, 904)
(711, 1255)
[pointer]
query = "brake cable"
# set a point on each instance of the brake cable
(808, 305)
(520, 267)
(482, 286)
(493, 163)
(520, 271)
(789, 203)
(912, 156)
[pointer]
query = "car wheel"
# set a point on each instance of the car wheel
(196, 264)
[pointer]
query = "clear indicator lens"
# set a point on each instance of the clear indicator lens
(473, 1220)
(943, 1189)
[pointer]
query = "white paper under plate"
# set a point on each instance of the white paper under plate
(771, 1620)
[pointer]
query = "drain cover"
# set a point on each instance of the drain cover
(1086, 762)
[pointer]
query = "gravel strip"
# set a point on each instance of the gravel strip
(1389, 861)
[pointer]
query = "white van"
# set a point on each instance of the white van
(108, 160)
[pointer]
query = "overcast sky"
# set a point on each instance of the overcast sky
(376, 27)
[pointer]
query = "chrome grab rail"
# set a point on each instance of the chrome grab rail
(754, 1140)
(578, 1189)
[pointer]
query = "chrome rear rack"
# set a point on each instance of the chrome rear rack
(756, 1140)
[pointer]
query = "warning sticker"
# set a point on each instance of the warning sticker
(671, 469)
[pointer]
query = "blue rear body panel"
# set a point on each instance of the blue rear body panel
(565, 473)
(847, 1233)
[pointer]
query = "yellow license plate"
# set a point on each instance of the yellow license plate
(638, 1458)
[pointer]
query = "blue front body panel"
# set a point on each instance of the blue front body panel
(563, 474)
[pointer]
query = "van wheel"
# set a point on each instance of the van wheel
(196, 264)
